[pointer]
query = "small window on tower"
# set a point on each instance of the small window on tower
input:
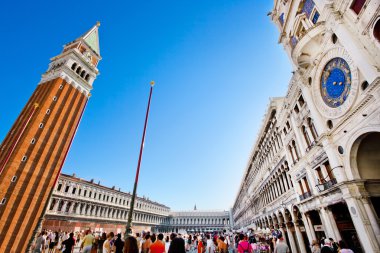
(41, 125)
(55, 98)
(60, 87)
(14, 178)
(3, 201)
(48, 111)
(33, 141)
(24, 158)
(296, 109)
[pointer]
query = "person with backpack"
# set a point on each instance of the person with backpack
(243, 245)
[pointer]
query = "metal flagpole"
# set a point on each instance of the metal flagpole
(128, 229)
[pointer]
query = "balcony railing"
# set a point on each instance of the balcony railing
(305, 195)
(326, 185)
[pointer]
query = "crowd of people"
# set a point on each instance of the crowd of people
(146, 242)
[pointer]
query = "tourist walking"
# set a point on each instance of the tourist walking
(281, 246)
(146, 244)
(201, 246)
(315, 248)
(243, 245)
(131, 245)
(139, 241)
(68, 244)
(167, 244)
(39, 246)
(327, 247)
(158, 246)
(222, 246)
(101, 241)
(54, 238)
(107, 243)
(177, 245)
(210, 246)
(343, 248)
(119, 244)
(87, 242)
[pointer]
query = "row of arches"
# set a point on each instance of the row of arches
(66, 207)
(81, 72)
(279, 183)
(201, 221)
(69, 188)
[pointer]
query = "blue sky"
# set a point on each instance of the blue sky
(215, 63)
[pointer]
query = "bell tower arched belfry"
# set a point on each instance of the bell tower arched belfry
(34, 150)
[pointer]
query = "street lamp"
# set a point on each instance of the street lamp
(128, 229)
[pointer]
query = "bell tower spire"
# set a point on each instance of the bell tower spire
(34, 150)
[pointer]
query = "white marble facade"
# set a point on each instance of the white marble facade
(314, 170)
(81, 200)
(199, 221)
(78, 200)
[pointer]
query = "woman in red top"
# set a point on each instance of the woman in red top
(244, 246)
(201, 247)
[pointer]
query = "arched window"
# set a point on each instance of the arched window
(291, 152)
(376, 30)
(87, 77)
(79, 69)
(74, 66)
(295, 149)
(83, 74)
(312, 128)
(306, 136)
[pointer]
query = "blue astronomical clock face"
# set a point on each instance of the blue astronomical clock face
(335, 82)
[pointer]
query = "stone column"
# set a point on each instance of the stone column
(326, 222)
(307, 228)
(362, 224)
(56, 204)
(280, 187)
(372, 218)
(71, 207)
(306, 218)
(333, 224)
(281, 181)
(64, 206)
(277, 191)
(293, 246)
(301, 242)
(313, 183)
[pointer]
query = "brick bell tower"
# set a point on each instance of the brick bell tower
(34, 150)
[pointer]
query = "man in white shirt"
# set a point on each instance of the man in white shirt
(210, 244)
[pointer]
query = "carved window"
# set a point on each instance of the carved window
(306, 136)
(357, 5)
